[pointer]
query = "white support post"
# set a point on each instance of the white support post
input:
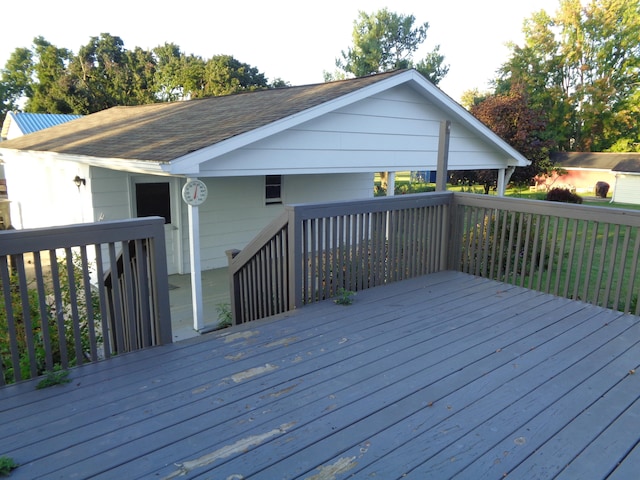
(391, 184)
(196, 270)
(501, 186)
(504, 176)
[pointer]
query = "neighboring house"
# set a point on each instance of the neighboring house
(253, 151)
(627, 184)
(585, 169)
(16, 125)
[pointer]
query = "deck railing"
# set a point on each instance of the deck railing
(316, 251)
(587, 253)
(58, 304)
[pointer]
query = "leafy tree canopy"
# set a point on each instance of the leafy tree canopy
(582, 66)
(384, 41)
(48, 79)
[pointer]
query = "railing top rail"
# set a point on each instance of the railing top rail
(258, 242)
(557, 209)
(35, 239)
(368, 205)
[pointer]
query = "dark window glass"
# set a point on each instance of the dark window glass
(152, 199)
(273, 189)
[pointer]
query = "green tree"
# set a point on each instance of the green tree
(170, 67)
(105, 74)
(581, 66)
(49, 90)
(223, 75)
(472, 97)
(384, 41)
(180, 76)
(15, 81)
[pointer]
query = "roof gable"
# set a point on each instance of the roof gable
(177, 138)
(33, 122)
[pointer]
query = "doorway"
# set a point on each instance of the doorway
(156, 197)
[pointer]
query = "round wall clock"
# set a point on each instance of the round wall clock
(194, 192)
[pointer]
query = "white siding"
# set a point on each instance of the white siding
(111, 194)
(42, 192)
(235, 210)
(394, 131)
(627, 189)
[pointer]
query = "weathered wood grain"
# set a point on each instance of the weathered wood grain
(442, 376)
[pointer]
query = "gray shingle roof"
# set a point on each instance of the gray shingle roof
(600, 160)
(165, 131)
(629, 165)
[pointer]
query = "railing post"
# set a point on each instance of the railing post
(443, 156)
(234, 287)
(294, 247)
(158, 254)
(452, 240)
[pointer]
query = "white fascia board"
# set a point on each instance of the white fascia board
(134, 166)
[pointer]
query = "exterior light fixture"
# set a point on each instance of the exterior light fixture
(79, 181)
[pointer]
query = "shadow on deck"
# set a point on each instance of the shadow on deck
(442, 376)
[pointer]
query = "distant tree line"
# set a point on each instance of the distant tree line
(103, 74)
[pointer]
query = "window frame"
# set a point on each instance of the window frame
(273, 189)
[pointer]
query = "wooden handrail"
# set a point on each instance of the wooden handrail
(63, 317)
(581, 252)
(313, 251)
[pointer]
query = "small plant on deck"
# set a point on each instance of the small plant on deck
(7, 464)
(54, 377)
(345, 297)
(225, 317)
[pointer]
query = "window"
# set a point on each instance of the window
(273, 189)
(153, 199)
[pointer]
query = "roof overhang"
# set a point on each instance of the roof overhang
(133, 166)
(189, 164)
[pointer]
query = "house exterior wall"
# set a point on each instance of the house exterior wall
(627, 188)
(397, 127)
(235, 210)
(42, 193)
(10, 128)
(111, 194)
(583, 180)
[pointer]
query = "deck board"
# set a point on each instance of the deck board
(443, 376)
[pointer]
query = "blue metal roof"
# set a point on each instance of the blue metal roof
(32, 122)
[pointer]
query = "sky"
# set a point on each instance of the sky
(295, 40)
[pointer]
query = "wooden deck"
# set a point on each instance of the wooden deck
(443, 376)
